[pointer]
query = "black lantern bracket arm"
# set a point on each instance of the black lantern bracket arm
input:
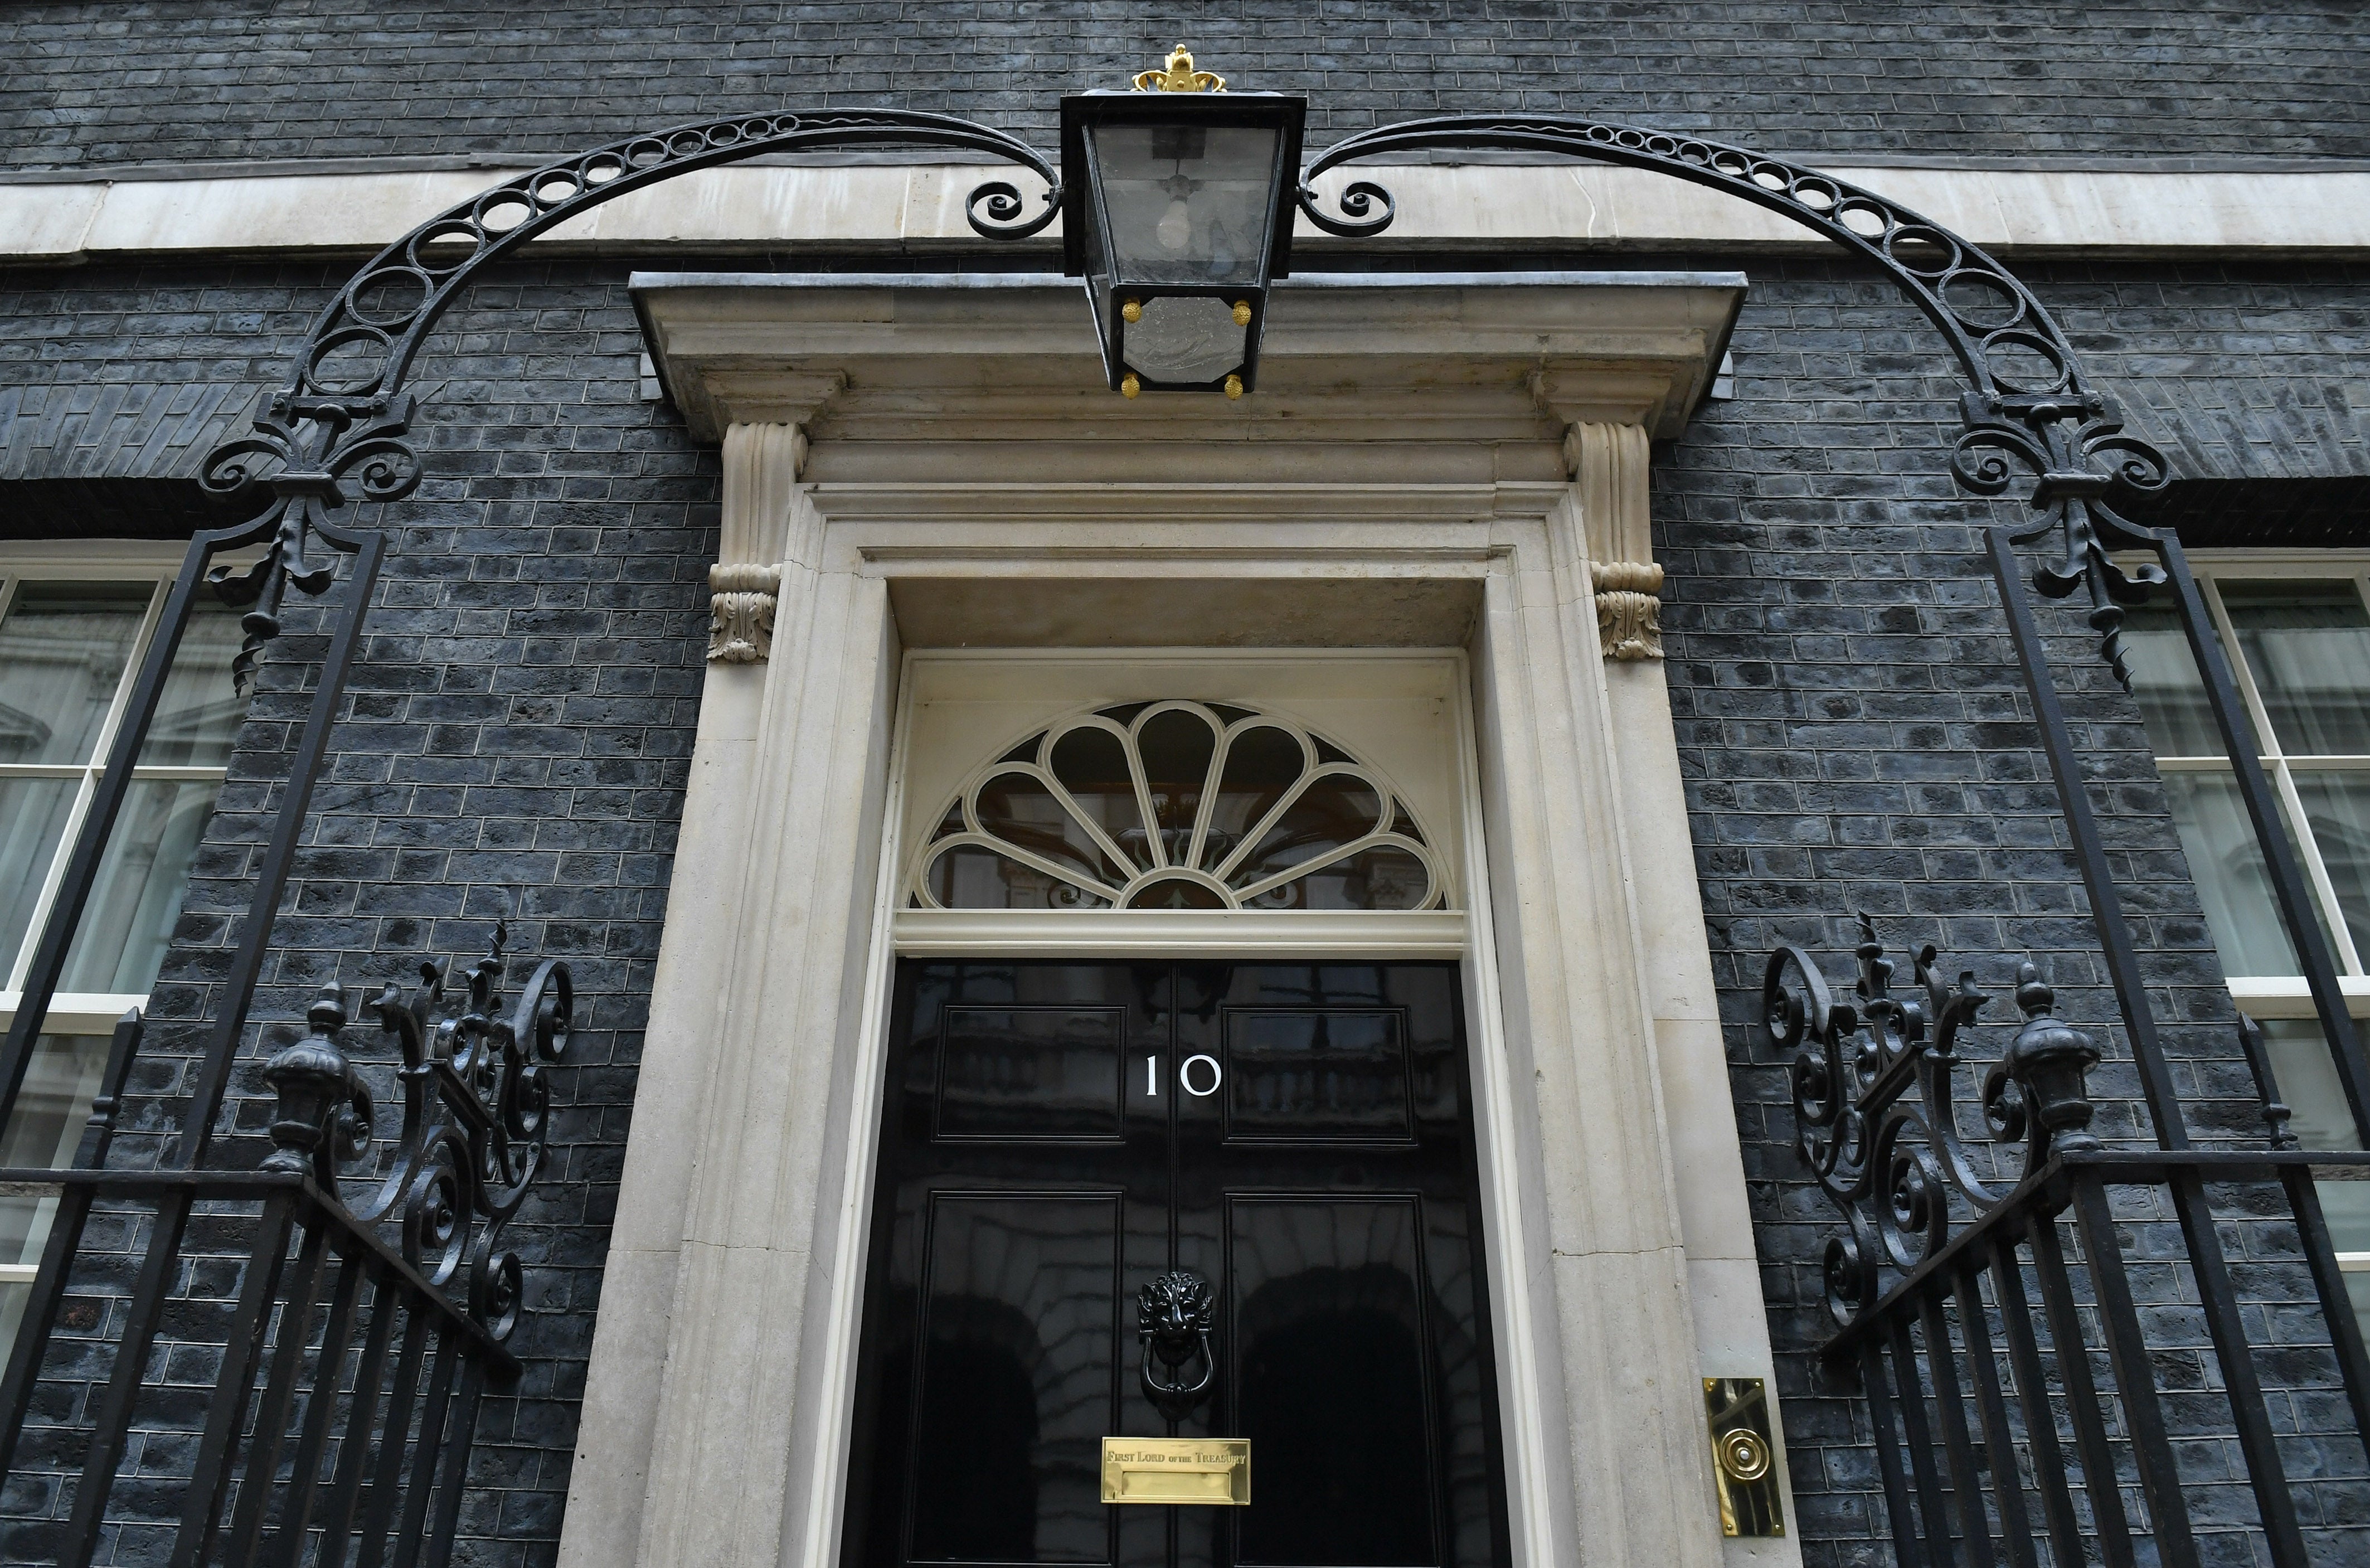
(340, 424)
(363, 345)
(2028, 405)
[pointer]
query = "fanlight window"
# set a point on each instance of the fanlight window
(1177, 805)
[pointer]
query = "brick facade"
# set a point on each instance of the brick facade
(200, 81)
(1848, 707)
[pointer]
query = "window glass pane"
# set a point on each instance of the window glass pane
(2227, 865)
(62, 650)
(2337, 803)
(1338, 809)
(1018, 809)
(2346, 1206)
(32, 819)
(1092, 765)
(2167, 686)
(197, 711)
(971, 876)
(2308, 647)
(1261, 764)
(133, 905)
(44, 1130)
(2306, 1075)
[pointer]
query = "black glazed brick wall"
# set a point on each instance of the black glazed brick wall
(202, 80)
(1855, 740)
(518, 729)
(515, 743)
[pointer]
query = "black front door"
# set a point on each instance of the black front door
(1057, 1136)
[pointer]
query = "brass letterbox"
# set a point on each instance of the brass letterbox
(1178, 1469)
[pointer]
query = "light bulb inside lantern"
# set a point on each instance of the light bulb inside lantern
(1175, 226)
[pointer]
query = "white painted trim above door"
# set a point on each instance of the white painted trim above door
(1216, 933)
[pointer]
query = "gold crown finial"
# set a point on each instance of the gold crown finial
(1178, 76)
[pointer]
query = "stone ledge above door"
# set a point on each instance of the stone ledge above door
(1373, 377)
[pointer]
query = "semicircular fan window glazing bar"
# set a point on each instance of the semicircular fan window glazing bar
(1177, 805)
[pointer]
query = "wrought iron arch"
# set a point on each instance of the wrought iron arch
(344, 411)
(337, 431)
(2030, 399)
(342, 418)
(2028, 405)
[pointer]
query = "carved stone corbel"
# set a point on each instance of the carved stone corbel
(1609, 464)
(761, 465)
(1629, 608)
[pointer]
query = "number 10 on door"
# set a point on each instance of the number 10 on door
(1199, 1075)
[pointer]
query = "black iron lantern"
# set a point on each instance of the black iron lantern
(1177, 209)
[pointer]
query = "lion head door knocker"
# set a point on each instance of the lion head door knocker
(1173, 1316)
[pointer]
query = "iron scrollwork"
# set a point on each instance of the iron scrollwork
(1174, 1316)
(343, 421)
(476, 1117)
(2030, 404)
(1877, 1096)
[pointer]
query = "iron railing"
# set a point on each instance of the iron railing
(1930, 1308)
(309, 1441)
(2031, 417)
(294, 1440)
(338, 432)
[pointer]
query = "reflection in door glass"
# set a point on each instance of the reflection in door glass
(1029, 1073)
(1315, 1075)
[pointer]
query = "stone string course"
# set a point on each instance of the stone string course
(198, 81)
(518, 729)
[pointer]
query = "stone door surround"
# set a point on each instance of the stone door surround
(916, 462)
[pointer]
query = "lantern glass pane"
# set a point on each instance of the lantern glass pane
(1187, 203)
(1185, 338)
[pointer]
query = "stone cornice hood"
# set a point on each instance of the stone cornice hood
(905, 361)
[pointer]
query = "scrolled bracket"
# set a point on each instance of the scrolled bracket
(305, 456)
(476, 1116)
(2029, 405)
(1629, 608)
(1877, 1101)
(741, 603)
(1359, 199)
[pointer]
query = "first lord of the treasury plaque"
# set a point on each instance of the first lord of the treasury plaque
(1178, 1469)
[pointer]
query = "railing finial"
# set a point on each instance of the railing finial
(2050, 1061)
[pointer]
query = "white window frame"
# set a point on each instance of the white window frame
(96, 560)
(2284, 995)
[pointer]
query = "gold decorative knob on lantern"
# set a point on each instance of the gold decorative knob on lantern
(1132, 311)
(1178, 76)
(1129, 385)
(1234, 386)
(1242, 313)
(1743, 1455)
